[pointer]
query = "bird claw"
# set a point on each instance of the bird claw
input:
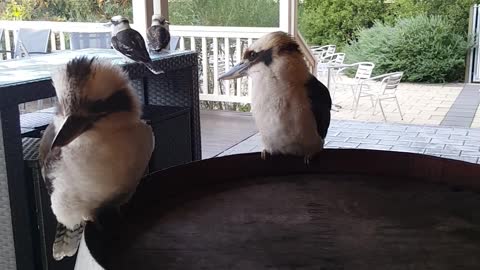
(264, 155)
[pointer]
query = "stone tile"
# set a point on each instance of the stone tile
(427, 145)
(449, 152)
(364, 141)
(415, 139)
(342, 145)
(463, 147)
(336, 139)
(472, 142)
(408, 149)
(354, 135)
(446, 141)
(383, 137)
(453, 131)
(394, 143)
(470, 154)
(374, 146)
(467, 159)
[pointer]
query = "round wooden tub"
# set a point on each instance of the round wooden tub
(349, 209)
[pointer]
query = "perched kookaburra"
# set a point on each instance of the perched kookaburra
(158, 36)
(130, 43)
(290, 106)
(95, 151)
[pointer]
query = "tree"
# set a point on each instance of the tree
(336, 21)
(260, 13)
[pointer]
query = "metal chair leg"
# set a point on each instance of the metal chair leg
(398, 106)
(375, 106)
(381, 108)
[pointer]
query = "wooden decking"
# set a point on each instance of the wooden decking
(222, 130)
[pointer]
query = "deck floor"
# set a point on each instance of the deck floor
(221, 130)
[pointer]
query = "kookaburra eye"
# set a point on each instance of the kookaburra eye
(252, 56)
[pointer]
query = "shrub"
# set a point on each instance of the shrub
(423, 47)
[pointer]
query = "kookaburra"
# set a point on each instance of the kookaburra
(130, 43)
(158, 36)
(96, 150)
(290, 106)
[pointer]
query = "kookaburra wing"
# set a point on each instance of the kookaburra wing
(158, 36)
(96, 150)
(130, 43)
(290, 106)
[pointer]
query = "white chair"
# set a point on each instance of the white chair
(323, 51)
(31, 41)
(385, 90)
(364, 71)
(335, 59)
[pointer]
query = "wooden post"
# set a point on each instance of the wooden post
(161, 7)
(142, 15)
(288, 16)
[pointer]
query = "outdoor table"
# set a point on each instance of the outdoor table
(347, 209)
(28, 79)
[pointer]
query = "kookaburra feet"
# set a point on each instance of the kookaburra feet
(306, 160)
(265, 154)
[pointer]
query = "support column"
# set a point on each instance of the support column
(161, 7)
(142, 15)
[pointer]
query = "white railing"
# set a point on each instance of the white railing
(219, 49)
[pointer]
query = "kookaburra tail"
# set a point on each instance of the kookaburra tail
(95, 151)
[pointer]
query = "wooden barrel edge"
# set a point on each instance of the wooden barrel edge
(330, 161)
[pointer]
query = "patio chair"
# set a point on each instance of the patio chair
(323, 52)
(385, 90)
(364, 71)
(100, 40)
(174, 41)
(336, 59)
(2, 49)
(31, 41)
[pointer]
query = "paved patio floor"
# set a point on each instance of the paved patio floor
(455, 143)
(421, 104)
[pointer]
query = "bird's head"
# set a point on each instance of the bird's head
(118, 20)
(276, 54)
(158, 19)
(89, 90)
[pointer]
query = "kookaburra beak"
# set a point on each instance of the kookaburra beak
(235, 72)
(167, 22)
(71, 128)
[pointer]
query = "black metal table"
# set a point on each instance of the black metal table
(28, 80)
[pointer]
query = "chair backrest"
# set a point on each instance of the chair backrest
(174, 40)
(390, 82)
(364, 70)
(100, 40)
(337, 58)
(31, 41)
(1, 35)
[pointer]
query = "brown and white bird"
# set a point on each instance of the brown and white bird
(96, 150)
(158, 36)
(290, 106)
(130, 43)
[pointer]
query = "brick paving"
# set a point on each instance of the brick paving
(421, 104)
(448, 142)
